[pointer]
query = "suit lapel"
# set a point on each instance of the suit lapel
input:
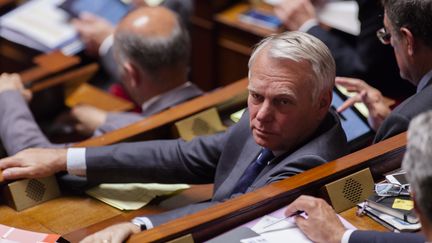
(248, 153)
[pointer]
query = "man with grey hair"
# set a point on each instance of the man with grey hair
(153, 49)
(287, 129)
(323, 225)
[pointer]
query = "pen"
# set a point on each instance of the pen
(296, 213)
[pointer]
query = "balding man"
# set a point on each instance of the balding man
(97, 33)
(152, 50)
(287, 129)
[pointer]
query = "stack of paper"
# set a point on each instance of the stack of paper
(39, 24)
(132, 196)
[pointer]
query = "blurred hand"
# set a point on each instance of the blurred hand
(322, 223)
(93, 31)
(13, 82)
(34, 163)
(139, 3)
(294, 13)
(114, 234)
(89, 118)
(371, 97)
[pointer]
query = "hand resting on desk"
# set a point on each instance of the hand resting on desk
(34, 163)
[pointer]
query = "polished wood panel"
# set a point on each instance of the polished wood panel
(47, 64)
(382, 157)
(70, 212)
(160, 121)
(361, 222)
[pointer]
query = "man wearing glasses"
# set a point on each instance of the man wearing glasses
(362, 56)
(407, 29)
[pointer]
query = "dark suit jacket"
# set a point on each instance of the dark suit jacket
(360, 236)
(398, 120)
(220, 159)
(365, 56)
(19, 130)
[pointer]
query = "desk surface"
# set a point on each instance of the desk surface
(71, 213)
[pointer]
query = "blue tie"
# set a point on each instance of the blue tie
(253, 170)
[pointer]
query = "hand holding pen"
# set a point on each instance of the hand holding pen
(321, 225)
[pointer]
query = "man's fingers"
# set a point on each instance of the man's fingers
(9, 162)
(16, 173)
(349, 102)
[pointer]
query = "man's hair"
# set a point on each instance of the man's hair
(414, 15)
(298, 46)
(154, 53)
(417, 161)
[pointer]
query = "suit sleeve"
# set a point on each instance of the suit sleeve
(116, 120)
(161, 161)
(393, 125)
(18, 129)
(360, 236)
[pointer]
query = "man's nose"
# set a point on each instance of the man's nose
(265, 112)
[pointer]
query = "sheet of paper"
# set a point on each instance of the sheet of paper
(283, 231)
(41, 25)
(13, 235)
(132, 196)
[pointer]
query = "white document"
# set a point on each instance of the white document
(132, 196)
(39, 24)
(341, 15)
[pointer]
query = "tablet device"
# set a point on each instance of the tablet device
(356, 127)
(111, 10)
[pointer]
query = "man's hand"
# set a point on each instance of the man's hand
(371, 97)
(89, 118)
(93, 31)
(13, 82)
(322, 224)
(294, 13)
(114, 234)
(34, 163)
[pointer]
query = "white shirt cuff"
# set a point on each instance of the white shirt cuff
(143, 221)
(346, 236)
(76, 161)
(306, 26)
(106, 45)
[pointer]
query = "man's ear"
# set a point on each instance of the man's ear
(324, 103)
(131, 74)
(409, 40)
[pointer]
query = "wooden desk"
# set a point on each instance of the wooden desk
(69, 213)
(362, 222)
(234, 44)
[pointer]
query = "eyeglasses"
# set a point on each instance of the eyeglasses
(392, 190)
(383, 36)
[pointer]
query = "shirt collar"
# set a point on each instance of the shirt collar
(154, 99)
(424, 81)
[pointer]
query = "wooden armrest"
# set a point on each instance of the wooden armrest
(48, 64)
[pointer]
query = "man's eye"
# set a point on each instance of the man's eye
(283, 101)
(255, 96)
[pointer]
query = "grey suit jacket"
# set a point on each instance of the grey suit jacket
(19, 130)
(360, 236)
(220, 159)
(398, 120)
